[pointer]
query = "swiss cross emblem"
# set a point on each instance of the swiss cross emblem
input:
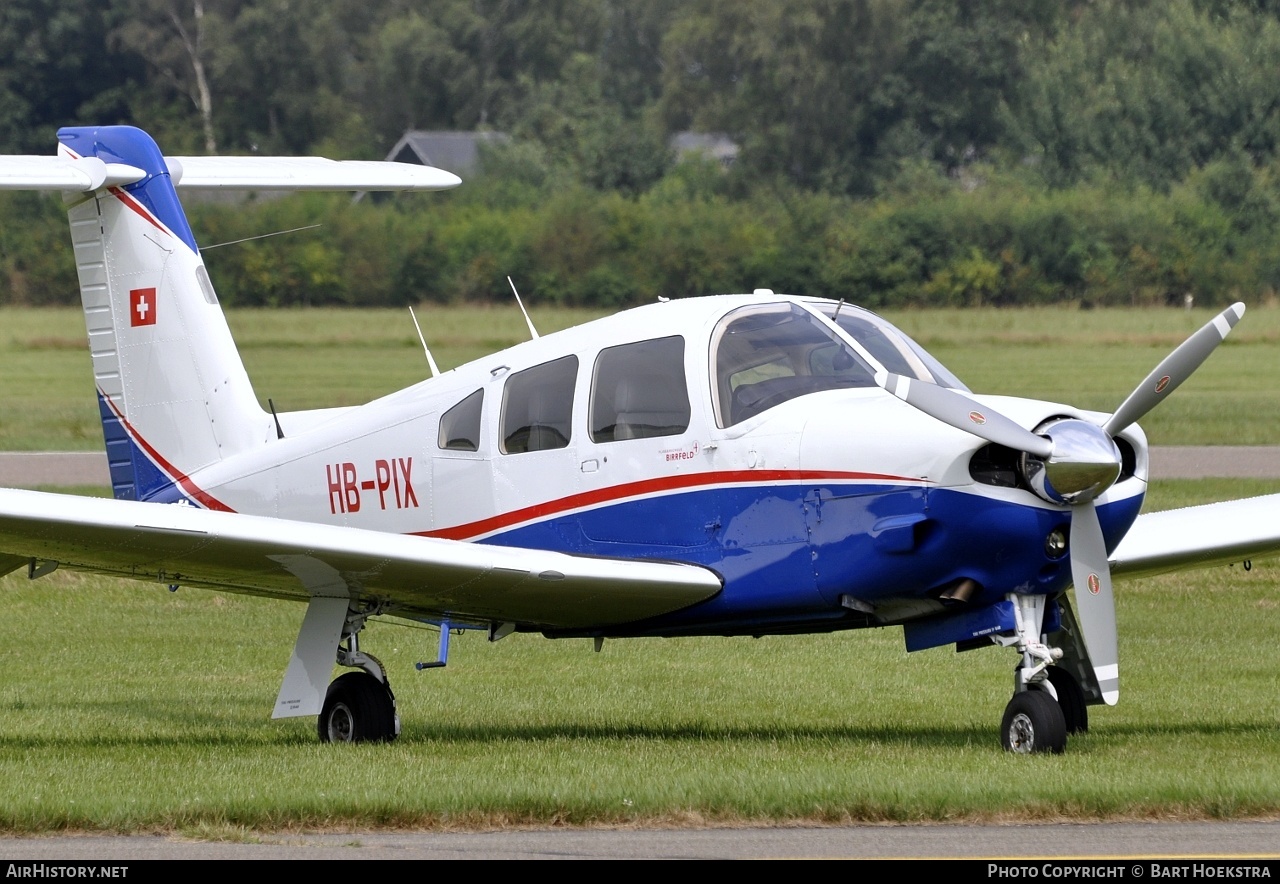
(142, 307)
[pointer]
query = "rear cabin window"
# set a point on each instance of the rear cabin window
(768, 354)
(460, 425)
(537, 407)
(639, 391)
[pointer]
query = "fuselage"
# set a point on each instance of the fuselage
(734, 432)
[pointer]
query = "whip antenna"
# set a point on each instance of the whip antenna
(435, 372)
(533, 331)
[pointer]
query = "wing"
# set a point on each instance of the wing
(1200, 536)
(415, 577)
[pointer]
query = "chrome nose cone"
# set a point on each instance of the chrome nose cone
(1085, 462)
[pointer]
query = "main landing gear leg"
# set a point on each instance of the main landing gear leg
(1033, 720)
(359, 706)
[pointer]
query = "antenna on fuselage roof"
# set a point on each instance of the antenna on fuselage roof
(435, 372)
(533, 331)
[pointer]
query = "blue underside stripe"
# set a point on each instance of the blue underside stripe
(788, 553)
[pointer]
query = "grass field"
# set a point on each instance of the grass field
(316, 358)
(129, 708)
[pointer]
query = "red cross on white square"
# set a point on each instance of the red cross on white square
(142, 307)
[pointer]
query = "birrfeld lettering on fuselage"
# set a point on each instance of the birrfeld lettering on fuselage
(744, 464)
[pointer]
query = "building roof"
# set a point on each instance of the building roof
(457, 152)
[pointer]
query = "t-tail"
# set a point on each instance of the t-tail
(172, 390)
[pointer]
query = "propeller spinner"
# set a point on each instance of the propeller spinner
(1071, 461)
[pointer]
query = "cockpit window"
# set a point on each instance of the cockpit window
(893, 349)
(767, 354)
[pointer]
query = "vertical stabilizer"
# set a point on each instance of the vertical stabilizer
(173, 392)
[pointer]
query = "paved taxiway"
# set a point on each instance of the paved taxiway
(1128, 841)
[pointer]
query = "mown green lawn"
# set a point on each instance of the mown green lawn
(130, 708)
(316, 358)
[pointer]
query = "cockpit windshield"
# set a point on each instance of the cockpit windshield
(889, 346)
(766, 354)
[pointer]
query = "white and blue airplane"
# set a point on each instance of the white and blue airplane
(751, 464)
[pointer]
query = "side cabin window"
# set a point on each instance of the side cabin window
(537, 406)
(767, 354)
(460, 425)
(639, 391)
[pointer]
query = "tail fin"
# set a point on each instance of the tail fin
(172, 390)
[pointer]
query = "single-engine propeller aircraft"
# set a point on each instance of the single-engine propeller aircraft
(748, 464)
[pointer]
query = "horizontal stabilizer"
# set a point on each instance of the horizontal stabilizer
(304, 173)
(74, 175)
(88, 174)
(1200, 536)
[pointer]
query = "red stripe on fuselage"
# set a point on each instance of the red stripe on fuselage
(618, 493)
(206, 500)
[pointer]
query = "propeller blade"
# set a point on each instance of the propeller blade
(1174, 369)
(1092, 578)
(963, 413)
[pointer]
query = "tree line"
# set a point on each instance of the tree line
(890, 151)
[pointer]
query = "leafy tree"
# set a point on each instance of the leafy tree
(179, 39)
(1147, 92)
(56, 70)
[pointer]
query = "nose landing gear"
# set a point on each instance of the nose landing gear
(1048, 701)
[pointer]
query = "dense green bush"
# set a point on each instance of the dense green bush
(992, 240)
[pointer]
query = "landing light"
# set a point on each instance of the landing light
(1055, 545)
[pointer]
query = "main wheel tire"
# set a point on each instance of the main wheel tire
(1075, 711)
(357, 709)
(1033, 722)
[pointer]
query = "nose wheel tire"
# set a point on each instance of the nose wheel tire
(357, 709)
(1033, 722)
